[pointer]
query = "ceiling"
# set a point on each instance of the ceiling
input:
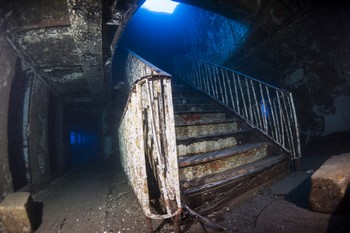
(69, 43)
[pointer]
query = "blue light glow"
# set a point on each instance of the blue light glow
(72, 138)
(165, 6)
(264, 108)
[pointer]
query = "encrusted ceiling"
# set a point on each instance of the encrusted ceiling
(69, 43)
(65, 43)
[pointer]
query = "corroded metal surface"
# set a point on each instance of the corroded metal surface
(205, 146)
(183, 132)
(212, 165)
(234, 183)
(264, 107)
(138, 68)
(147, 139)
(86, 23)
(184, 119)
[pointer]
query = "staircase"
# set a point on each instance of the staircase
(219, 156)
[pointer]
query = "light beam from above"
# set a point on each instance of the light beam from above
(165, 6)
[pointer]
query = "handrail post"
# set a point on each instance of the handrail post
(147, 138)
(267, 108)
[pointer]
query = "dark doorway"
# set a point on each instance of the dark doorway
(18, 126)
(52, 133)
(82, 137)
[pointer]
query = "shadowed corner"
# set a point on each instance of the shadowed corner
(37, 215)
(340, 222)
(300, 194)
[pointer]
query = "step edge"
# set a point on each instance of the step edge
(240, 149)
(224, 121)
(276, 159)
(199, 112)
(207, 137)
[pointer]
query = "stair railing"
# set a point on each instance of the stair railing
(267, 108)
(147, 139)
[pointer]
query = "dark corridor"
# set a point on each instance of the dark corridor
(82, 138)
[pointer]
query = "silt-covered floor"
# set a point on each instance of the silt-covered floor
(97, 198)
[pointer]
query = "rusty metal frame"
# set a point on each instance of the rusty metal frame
(264, 107)
(147, 138)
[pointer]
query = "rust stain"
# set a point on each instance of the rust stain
(216, 165)
(192, 117)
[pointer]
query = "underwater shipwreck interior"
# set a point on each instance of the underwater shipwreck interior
(174, 116)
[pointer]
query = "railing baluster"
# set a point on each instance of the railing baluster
(204, 78)
(211, 92)
(216, 95)
(223, 76)
(210, 89)
(249, 101)
(262, 105)
(296, 138)
(269, 109)
(200, 81)
(281, 119)
(211, 77)
(274, 128)
(257, 106)
(238, 110)
(220, 85)
(243, 97)
(291, 145)
(230, 89)
(193, 70)
(278, 126)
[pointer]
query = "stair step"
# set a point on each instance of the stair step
(205, 129)
(196, 107)
(228, 176)
(211, 143)
(208, 195)
(196, 166)
(192, 100)
(179, 85)
(188, 93)
(186, 118)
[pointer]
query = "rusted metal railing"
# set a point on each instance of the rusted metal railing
(147, 139)
(264, 107)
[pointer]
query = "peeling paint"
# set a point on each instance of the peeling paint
(144, 140)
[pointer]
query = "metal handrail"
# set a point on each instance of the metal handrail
(264, 107)
(147, 138)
